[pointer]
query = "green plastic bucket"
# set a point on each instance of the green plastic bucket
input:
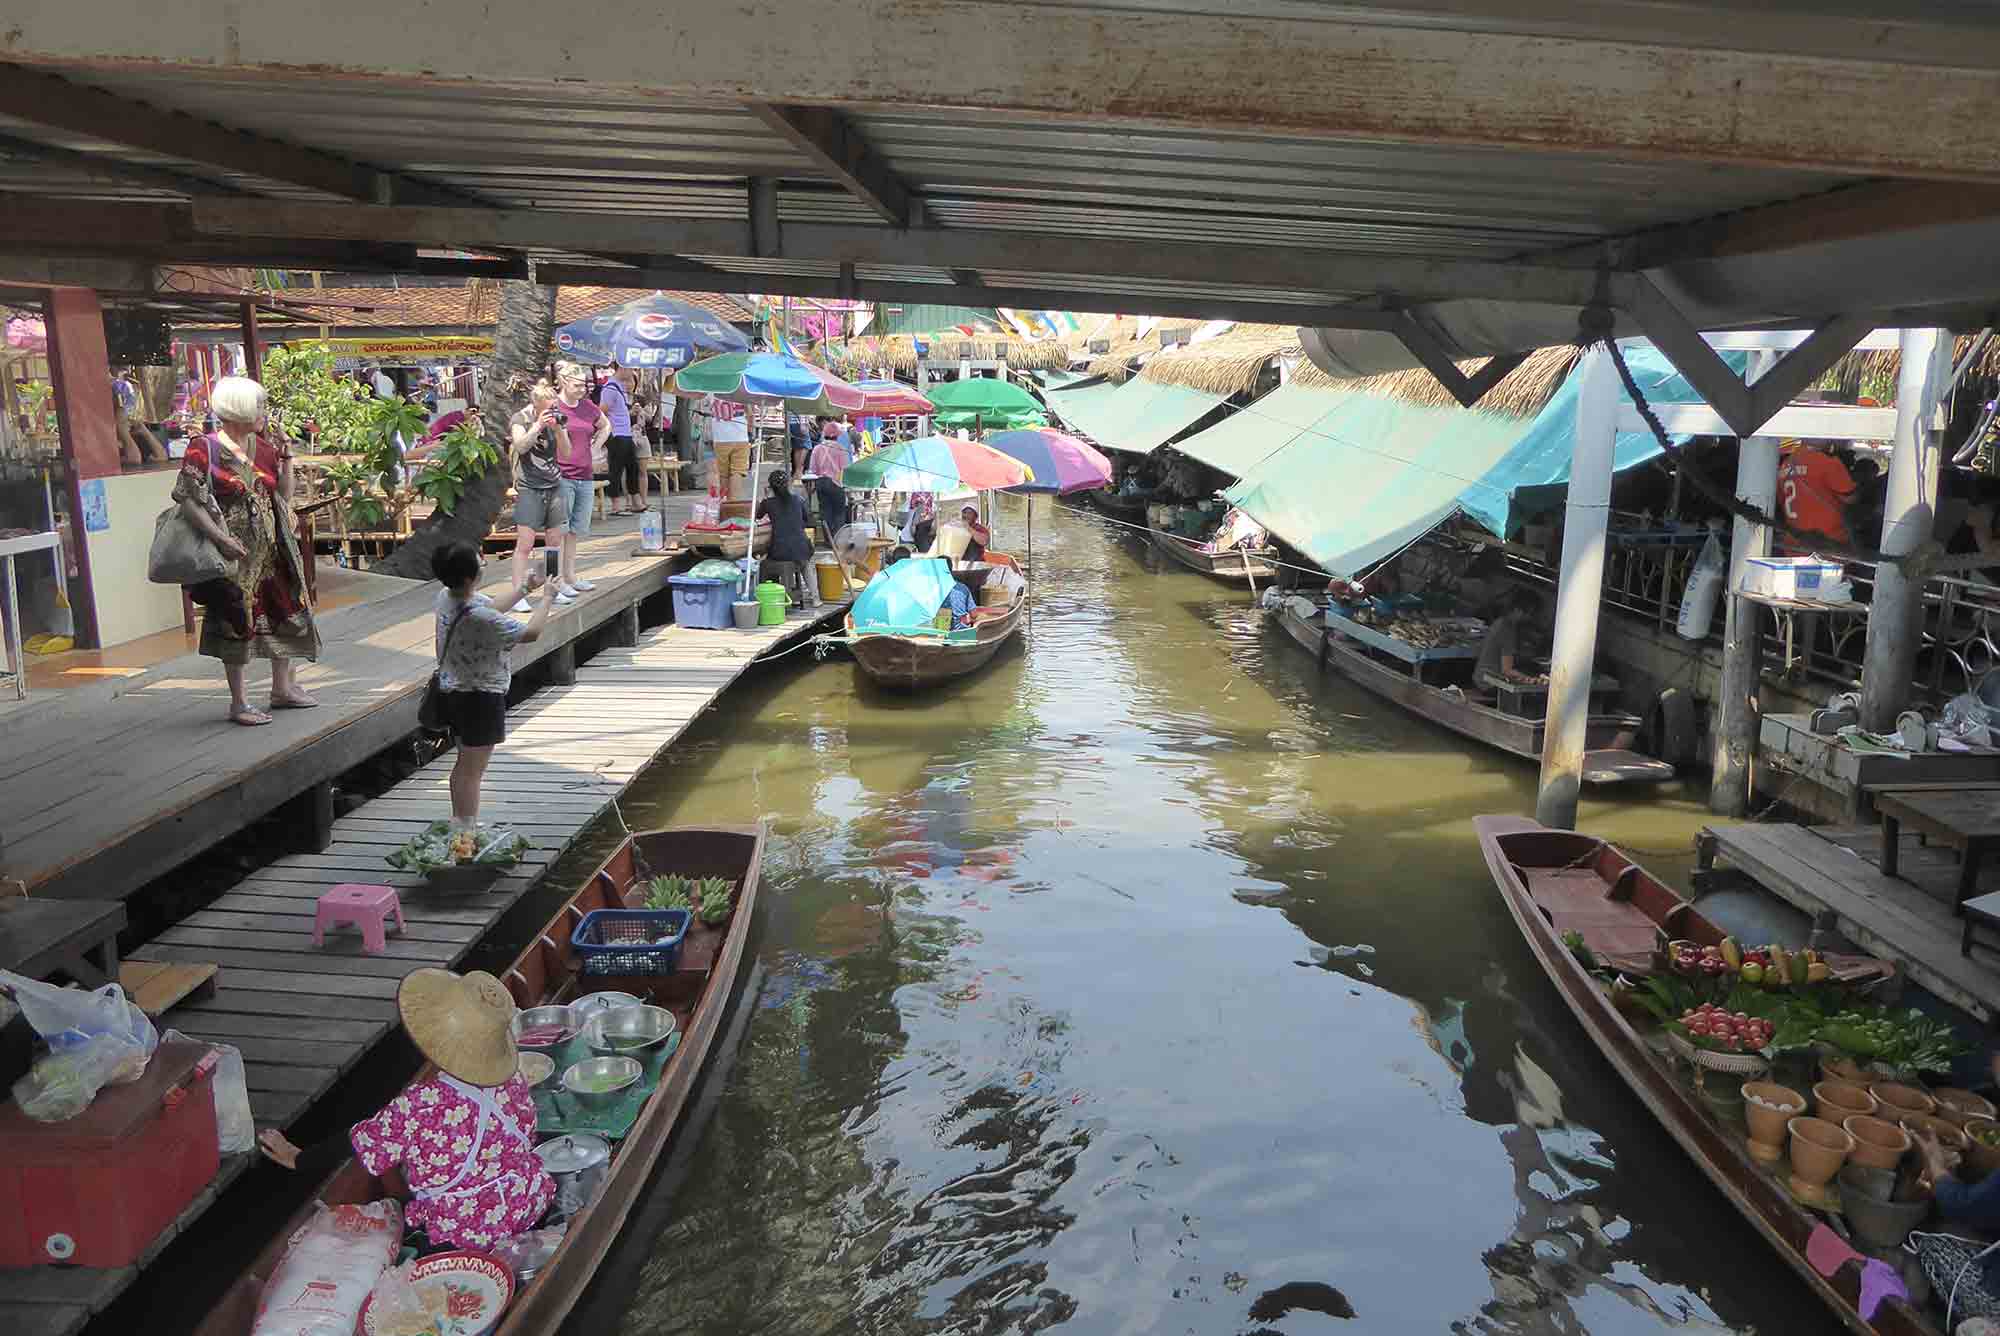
(771, 604)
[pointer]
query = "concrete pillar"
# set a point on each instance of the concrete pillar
(1579, 591)
(1736, 719)
(1895, 619)
(80, 375)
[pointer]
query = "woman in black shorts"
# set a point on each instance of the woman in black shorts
(475, 640)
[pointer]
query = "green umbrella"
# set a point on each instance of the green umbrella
(981, 402)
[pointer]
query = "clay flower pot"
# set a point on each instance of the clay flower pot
(1949, 1134)
(1877, 1144)
(1767, 1107)
(1838, 1100)
(1980, 1158)
(1834, 1067)
(1898, 1099)
(1959, 1105)
(1819, 1148)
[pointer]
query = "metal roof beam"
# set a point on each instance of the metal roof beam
(830, 140)
(765, 238)
(1468, 390)
(1767, 89)
(46, 99)
(111, 169)
(863, 289)
(1291, 268)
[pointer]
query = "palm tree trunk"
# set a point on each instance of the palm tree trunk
(526, 322)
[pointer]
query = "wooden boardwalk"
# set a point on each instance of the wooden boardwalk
(98, 798)
(1836, 870)
(304, 1015)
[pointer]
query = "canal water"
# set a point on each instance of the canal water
(1148, 982)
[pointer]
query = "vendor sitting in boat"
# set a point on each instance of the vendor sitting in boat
(968, 515)
(462, 1137)
(1500, 653)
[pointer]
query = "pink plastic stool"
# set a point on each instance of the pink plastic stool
(366, 907)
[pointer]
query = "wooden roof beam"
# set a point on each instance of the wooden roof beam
(838, 149)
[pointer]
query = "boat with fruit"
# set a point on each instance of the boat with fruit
(713, 874)
(1657, 985)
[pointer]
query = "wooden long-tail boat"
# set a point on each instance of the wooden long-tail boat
(1551, 876)
(1130, 507)
(700, 993)
(1362, 656)
(1233, 566)
(912, 662)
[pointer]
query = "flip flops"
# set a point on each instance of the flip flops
(249, 718)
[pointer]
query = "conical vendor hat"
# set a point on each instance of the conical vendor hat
(460, 1022)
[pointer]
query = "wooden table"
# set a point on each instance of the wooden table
(1966, 821)
(78, 937)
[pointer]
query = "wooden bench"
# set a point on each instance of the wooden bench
(1966, 820)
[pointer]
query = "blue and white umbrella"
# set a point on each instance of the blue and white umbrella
(654, 333)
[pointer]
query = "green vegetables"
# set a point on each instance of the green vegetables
(709, 897)
(669, 893)
(1905, 1041)
(440, 847)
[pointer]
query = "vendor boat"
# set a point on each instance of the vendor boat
(700, 992)
(1234, 565)
(914, 661)
(1608, 758)
(1555, 881)
(1129, 506)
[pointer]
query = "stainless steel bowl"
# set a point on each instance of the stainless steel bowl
(542, 1018)
(607, 1080)
(535, 1066)
(628, 1030)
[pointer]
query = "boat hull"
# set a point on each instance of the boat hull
(1608, 758)
(1512, 844)
(1232, 567)
(914, 662)
(701, 994)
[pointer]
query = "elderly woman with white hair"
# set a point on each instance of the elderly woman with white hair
(258, 610)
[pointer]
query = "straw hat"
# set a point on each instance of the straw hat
(460, 1022)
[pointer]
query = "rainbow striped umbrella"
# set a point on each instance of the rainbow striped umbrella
(1059, 462)
(936, 464)
(762, 378)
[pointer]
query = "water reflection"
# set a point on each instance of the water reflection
(1147, 982)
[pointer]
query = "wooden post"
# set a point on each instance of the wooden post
(562, 666)
(308, 819)
(253, 354)
(1742, 662)
(1895, 617)
(1577, 594)
(627, 627)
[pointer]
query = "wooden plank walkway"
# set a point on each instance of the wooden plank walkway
(1835, 870)
(95, 801)
(305, 1015)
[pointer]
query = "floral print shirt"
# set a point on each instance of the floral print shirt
(472, 1187)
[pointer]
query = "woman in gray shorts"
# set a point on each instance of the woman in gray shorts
(538, 501)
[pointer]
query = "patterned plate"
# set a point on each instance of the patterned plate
(468, 1293)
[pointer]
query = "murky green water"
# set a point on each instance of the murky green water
(1149, 983)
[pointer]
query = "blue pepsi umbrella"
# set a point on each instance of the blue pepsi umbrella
(652, 333)
(903, 598)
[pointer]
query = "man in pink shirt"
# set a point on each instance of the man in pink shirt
(586, 427)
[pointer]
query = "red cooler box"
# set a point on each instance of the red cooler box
(98, 1189)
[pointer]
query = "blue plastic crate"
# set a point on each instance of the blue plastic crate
(631, 941)
(702, 603)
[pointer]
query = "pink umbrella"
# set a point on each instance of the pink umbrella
(887, 398)
(27, 333)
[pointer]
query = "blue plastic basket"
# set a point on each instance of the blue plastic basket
(702, 603)
(631, 941)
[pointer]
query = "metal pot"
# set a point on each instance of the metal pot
(612, 1076)
(591, 1003)
(579, 1164)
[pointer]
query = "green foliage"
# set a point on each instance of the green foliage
(306, 398)
(1580, 949)
(717, 894)
(1904, 1040)
(669, 893)
(37, 398)
(461, 455)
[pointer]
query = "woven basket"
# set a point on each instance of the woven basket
(1745, 1064)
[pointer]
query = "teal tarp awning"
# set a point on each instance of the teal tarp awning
(1137, 417)
(1540, 457)
(1245, 439)
(1363, 475)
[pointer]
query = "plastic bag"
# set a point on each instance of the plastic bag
(328, 1270)
(1704, 586)
(398, 1307)
(69, 1018)
(235, 1125)
(441, 846)
(61, 1085)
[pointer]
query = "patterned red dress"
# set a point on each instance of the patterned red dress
(468, 1156)
(259, 609)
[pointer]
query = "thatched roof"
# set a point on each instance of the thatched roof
(1126, 345)
(898, 352)
(1874, 372)
(1230, 363)
(1522, 393)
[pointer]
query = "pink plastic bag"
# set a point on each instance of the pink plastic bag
(328, 1270)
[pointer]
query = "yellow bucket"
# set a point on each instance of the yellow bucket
(832, 584)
